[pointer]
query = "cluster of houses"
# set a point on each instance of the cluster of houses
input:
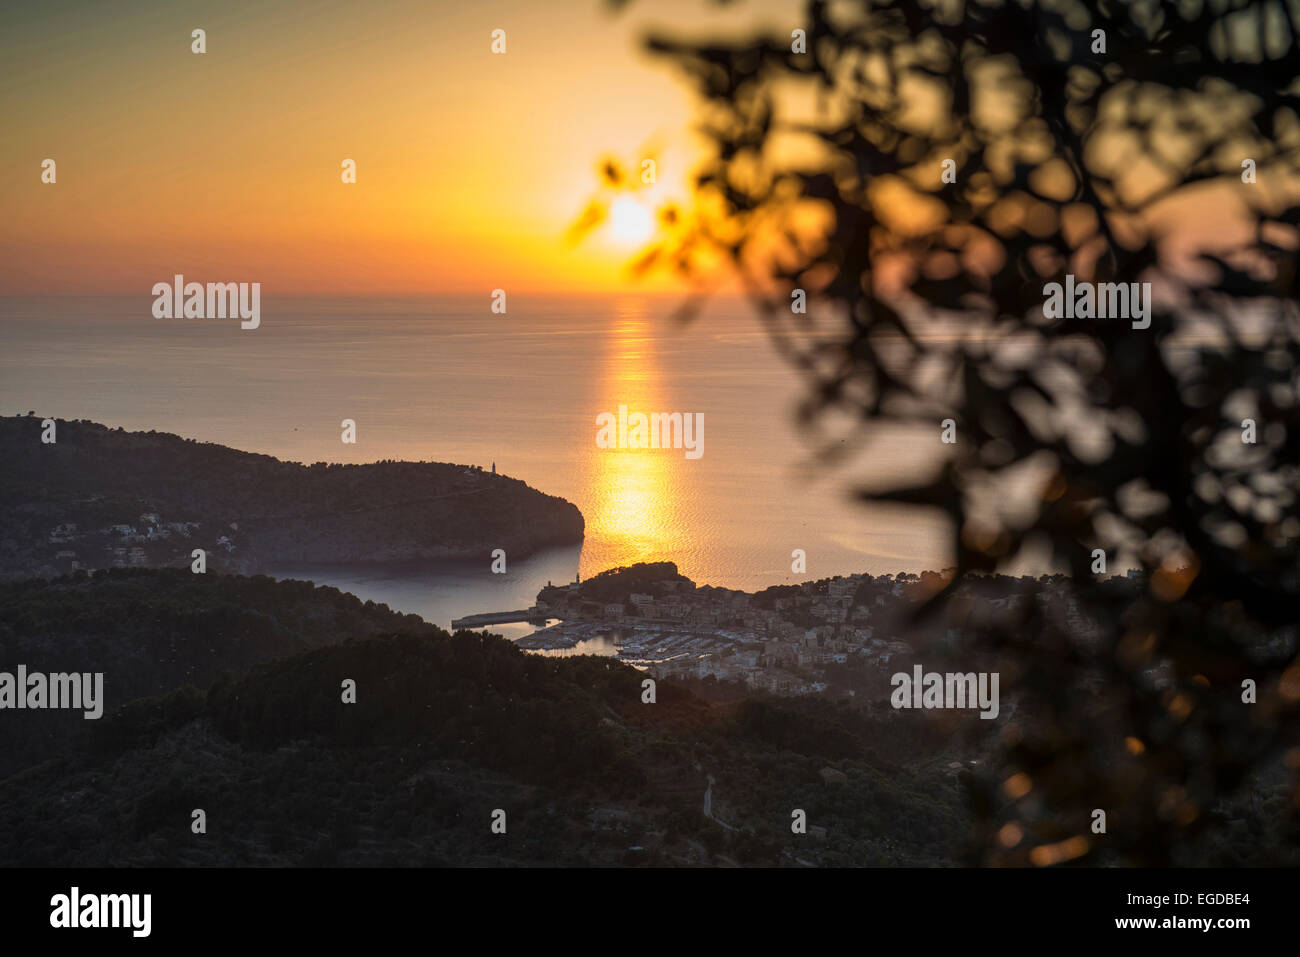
(782, 640)
(118, 546)
(776, 645)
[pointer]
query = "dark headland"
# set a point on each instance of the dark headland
(98, 498)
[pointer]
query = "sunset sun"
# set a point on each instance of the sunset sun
(629, 221)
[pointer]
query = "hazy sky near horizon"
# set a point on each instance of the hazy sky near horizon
(225, 166)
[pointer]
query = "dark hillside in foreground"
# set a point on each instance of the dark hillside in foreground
(153, 630)
(446, 730)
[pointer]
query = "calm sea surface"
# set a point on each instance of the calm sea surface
(445, 380)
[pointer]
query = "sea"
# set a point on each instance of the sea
(447, 380)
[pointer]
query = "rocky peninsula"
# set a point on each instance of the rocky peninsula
(98, 498)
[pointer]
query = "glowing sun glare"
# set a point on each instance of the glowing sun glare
(629, 221)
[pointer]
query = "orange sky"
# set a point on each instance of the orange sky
(225, 166)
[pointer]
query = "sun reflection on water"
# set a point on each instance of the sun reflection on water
(634, 491)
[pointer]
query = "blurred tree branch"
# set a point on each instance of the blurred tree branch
(1119, 161)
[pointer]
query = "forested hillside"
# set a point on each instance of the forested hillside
(100, 497)
(150, 631)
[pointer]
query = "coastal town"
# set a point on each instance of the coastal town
(835, 636)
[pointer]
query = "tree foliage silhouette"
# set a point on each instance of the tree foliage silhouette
(1115, 142)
